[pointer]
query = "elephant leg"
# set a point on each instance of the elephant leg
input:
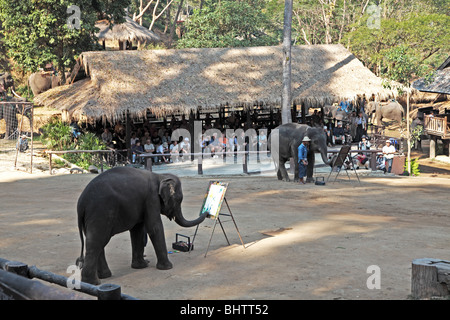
(137, 234)
(95, 244)
(155, 231)
(310, 168)
(90, 266)
(103, 270)
(296, 168)
(282, 171)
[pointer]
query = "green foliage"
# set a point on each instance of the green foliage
(415, 171)
(58, 136)
(404, 46)
(37, 32)
(228, 24)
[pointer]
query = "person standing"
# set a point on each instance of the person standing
(388, 153)
(302, 158)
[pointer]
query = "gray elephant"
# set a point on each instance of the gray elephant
(284, 141)
(392, 110)
(42, 81)
(335, 112)
(121, 199)
(6, 81)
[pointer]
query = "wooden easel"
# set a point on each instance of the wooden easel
(217, 219)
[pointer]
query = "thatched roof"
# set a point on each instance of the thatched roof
(180, 81)
(127, 31)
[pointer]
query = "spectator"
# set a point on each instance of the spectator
(381, 163)
(364, 144)
(262, 140)
(215, 145)
(22, 144)
(185, 147)
(133, 139)
(388, 153)
(338, 134)
(149, 147)
(160, 150)
(361, 127)
(174, 151)
(107, 137)
(136, 149)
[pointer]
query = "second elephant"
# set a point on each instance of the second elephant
(284, 142)
(42, 81)
(392, 110)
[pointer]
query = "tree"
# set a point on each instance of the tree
(286, 97)
(401, 68)
(38, 32)
(228, 24)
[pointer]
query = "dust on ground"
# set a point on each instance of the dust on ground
(301, 241)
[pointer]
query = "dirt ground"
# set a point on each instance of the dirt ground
(301, 242)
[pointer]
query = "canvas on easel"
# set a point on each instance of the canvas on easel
(214, 198)
(212, 204)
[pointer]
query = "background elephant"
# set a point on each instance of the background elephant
(122, 199)
(392, 110)
(42, 81)
(284, 142)
(335, 112)
(6, 81)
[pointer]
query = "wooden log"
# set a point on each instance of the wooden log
(430, 278)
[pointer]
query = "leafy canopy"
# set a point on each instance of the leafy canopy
(37, 32)
(228, 23)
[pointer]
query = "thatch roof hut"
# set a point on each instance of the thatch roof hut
(181, 81)
(128, 31)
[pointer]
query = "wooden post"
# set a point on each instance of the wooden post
(430, 277)
(50, 162)
(433, 146)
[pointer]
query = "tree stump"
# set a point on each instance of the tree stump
(430, 278)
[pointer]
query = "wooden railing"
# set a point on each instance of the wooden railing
(436, 125)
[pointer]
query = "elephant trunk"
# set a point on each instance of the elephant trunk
(325, 160)
(181, 221)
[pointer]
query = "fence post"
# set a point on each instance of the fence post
(200, 165)
(244, 163)
(109, 292)
(18, 268)
(148, 164)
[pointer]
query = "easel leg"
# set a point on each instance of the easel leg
(223, 231)
(215, 223)
(234, 221)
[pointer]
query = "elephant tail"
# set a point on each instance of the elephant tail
(80, 259)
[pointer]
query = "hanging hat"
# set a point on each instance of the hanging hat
(306, 138)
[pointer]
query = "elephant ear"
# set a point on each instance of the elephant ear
(167, 192)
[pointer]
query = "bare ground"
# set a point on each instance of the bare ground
(301, 242)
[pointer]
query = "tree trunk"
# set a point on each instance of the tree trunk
(286, 97)
(430, 278)
(174, 25)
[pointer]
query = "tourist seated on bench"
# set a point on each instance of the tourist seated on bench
(338, 134)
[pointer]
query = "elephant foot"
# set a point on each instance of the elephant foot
(310, 179)
(92, 280)
(164, 266)
(139, 264)
(104, 274)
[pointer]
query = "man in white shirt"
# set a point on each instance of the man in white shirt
(388, 153)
